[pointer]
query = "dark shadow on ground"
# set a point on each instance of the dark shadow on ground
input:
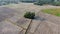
(39, 18)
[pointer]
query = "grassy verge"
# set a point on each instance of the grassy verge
(55, 11)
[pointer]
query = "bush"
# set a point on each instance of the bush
(28, 1)
(39, 3)
(56, 3)
(29, 15)
(42, 2)
(36, 3)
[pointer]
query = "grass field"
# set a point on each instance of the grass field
(55, 11)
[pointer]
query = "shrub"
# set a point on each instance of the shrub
(56, 3)
(29, 15)
(28, 1)
(39, 3)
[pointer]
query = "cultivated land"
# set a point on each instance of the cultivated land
(13, 22)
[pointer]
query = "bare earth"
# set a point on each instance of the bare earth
(13, 22)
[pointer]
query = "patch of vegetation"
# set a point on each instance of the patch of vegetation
(55, 11)
(29, 15)
(51, 2)
(28, 1)
(38, 3)
(42, 2)
(56, 3)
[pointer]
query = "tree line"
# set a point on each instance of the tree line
(5, 2)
